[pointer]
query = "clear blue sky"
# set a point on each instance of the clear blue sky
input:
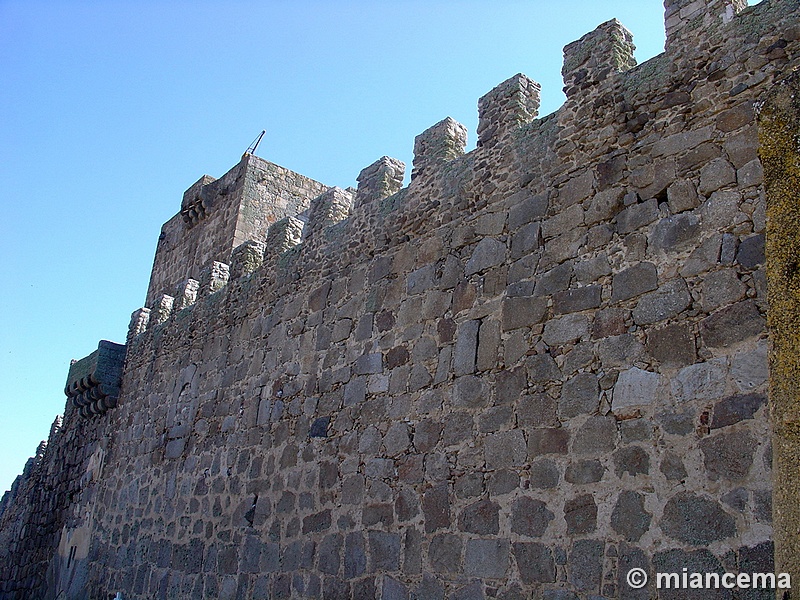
(110, 110)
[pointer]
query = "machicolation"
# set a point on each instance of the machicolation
(541, 364)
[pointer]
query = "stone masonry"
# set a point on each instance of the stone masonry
(539, 365)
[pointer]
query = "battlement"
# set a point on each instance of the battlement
(219, 214)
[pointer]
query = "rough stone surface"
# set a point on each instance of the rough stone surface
(696, 520)
(539, 363)
(530, 517)
(666, 302)
(634, 281)
(635, 387)
(629, 517)
(486, 558)
(728, 455)
(580, 514)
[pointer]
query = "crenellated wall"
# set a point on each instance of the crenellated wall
(542, 363)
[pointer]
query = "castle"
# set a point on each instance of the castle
(540, 365)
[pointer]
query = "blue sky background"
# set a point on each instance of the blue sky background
(110, 110)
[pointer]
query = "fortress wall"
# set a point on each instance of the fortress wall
(539, 365)
(43, 518)
(218, 215)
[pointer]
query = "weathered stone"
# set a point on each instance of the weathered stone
(406, 505)
(635, 430)
(629, 517)
(393, 590)
(355, 555)
(620, 350)
(584, 471)
(384, 549)
(495, 419)
(576, 189)
(330, 553)
(631, 557)
(696, 520)
(503, 482)
(604, 206)
(635, 387)
(420, 280)
(565, 329)
(526, 211)
(632, 460)
(681, 196)
(695, 561)
(672, 346)
(579, 395)
(721, 210)
(445, 552)
(505, 449)
(675, 233)
(535, 562)
(749, 368)
(701, 381)
(526, 240)
(580, 357)
(542, 368)
(369, 363)
(736, 499)
(751, 251)
(380, 468)
(486, 558)
(721, 288)
(488, 253)
(636, 216)
(466, 348)
(732, 324)
(597, 436)
(469, 485)
(509, 385)
(576, 299)
(537, 410)
(555, 280)
(547, 441)
(470, 392)
(590, 270)
(727, 252)
(530, 517)
(716, 174)
(728, 455)
(704, 258)
(586, 564)
(320, 521)
(634, 281)
(436, 508)
(666, 302)
(426, 435)
(481, 517)
(734, 409)
(396, 439)
(473, 591)
(523, 312)
(580, 514)
(677, 423)
(560, 595)
(608, 322)
(544, 474)
(488, 345)
(428, 589)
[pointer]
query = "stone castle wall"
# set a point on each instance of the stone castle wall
(541, 364)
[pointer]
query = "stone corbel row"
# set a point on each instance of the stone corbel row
(93, 383)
